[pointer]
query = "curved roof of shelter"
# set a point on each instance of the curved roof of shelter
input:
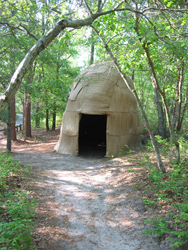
(100, 89)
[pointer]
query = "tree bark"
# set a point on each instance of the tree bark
(47, 120)
(161, 117)
(92, 50)
(27, 120)
(176, 120)
(13, 119)
(54, 118)
(37, 118)
(29, 79)
(9, 129)
(183, 110)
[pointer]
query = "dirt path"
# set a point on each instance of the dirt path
(85, 203)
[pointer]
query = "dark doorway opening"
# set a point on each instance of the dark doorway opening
(92, 135)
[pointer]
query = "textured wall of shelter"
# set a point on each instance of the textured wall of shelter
(101, 90)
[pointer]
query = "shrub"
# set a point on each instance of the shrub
(16, 208)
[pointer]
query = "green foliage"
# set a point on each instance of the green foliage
(126, 151)
(170, 188)
(16, 208)
(6, 167)
(149, 202)
(159, 227)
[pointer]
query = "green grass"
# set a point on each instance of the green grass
(16, 207)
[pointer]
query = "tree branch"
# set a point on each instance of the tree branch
(157, 10)
(55, 8)
(99, 6)
(28, 32)
(39, 46)
(88, 8)
(21, 29)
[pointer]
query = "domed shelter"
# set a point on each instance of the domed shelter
(101, 114)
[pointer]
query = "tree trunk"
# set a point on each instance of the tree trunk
(54, 117)
(27, 120)
(183, 111)
(161, 117)
(176, 120)
(13, 119)
(92, 50)
(47, 120)
(158, 102)
(174, 140)
(124, 77)
(133, 75)
(9, 129)
(37, 118)
(27, 123)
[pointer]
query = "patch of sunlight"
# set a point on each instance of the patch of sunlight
(109, 191)
(50, 231)
(37, 144)
(23, 149)
(127, 223)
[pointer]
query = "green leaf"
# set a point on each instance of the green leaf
(169, 4)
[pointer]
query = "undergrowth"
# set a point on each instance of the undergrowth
(169, 192)
(16, 207)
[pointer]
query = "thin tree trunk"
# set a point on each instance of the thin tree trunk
(92, 54)
(9, 129)
(37, 118)
(23, 102)
(161, 117)
(54, 120)
(133, 76)
(92, 50)
(158, 102)
(29, 79)
(174, 140)
(176, 120)
(13, 119)
(183, 111)
(54, 106)
(47, 120)
(27, 120)
(54, 117)
(154, 143)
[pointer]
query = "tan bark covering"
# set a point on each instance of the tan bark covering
(100, 90)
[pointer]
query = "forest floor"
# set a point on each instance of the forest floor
(85, 203)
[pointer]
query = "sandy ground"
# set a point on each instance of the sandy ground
(85, 203)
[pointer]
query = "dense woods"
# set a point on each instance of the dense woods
(44, 44)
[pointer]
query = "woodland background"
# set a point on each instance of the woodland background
(45, 44)
(148, 39)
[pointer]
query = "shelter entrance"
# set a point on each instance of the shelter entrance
(92, 135)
